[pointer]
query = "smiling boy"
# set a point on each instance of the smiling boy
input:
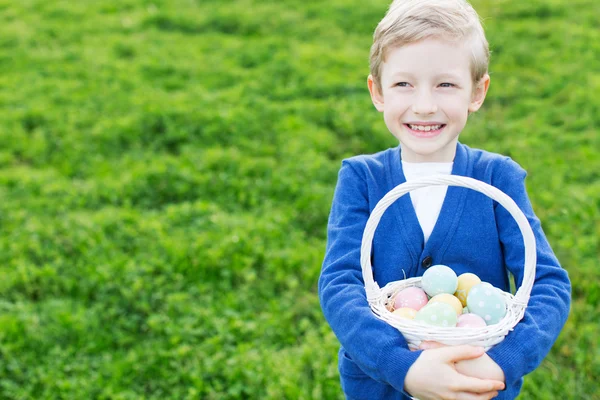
(429, 71)
(425, 91)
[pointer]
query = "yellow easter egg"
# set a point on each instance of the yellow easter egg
(448, 299)
(465, 282)
(405, 312)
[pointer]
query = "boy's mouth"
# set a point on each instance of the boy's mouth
(423, 130)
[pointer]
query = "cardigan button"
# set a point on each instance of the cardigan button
(427, 262)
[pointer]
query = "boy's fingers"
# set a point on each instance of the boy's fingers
(478, 386)
(458, 353)
(480, 396)
(428, 345)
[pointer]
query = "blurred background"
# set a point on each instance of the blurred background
(166, 173)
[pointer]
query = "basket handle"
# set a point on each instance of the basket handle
(372, 288)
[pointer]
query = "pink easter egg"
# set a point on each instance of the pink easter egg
(470, 320)
(411, 297)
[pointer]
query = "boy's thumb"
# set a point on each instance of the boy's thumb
(463, 352)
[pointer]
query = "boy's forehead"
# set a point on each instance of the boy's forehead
(441, 74)
(430, 56)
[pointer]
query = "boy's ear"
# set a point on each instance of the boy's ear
(376, 95)
(479, 93)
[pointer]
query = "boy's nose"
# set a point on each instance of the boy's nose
(424, 104)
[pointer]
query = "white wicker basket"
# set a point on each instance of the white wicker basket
(416, 332)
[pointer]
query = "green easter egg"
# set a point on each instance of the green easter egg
(437, 314)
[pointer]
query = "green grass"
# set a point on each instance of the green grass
(166, 172)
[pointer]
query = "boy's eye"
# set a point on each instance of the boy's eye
(447, 84)
(402, 84)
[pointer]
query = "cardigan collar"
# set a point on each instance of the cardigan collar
(449, 217)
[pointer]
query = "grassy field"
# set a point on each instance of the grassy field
(167, 168)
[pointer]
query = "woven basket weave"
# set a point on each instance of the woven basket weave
(415, 332)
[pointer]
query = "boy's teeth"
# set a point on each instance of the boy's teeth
(425, 128)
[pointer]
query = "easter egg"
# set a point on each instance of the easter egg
(487, 302)
(437, 314)
(465, 282)
(411, 297)
(448, 299)
(405, 312)
(470, 320)
(439, 279)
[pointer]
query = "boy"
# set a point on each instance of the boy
(428, 67)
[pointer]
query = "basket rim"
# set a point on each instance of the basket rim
(375, 293)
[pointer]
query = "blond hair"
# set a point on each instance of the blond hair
(409, 21)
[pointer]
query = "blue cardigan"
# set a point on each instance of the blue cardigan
(473, 234)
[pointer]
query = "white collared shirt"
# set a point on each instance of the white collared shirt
(427, 201)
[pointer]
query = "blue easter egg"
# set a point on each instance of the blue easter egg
(487, 302)
(439, 279)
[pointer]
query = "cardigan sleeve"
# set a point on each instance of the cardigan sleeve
(525, 347)
(377, 348)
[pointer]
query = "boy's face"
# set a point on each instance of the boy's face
(426, 95)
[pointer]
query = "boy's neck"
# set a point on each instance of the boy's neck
(411, 157)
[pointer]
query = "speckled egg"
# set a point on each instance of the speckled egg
(438, 314)
(470, 320)
(465, 282)
(448, 299)
(439, 279)
(487, 302)
(405, 312)
(411, 297)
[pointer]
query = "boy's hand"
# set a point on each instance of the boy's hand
(434, 376)
(481, 367)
